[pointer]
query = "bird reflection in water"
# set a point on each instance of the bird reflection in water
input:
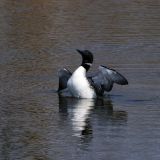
(82, 112)
(79, 110)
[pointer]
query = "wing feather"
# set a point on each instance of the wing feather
(104, 79)
(112, 74)
(64, 75)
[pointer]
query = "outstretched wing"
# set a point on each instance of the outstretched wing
(64, 75)
(113, 75)
(104, 79)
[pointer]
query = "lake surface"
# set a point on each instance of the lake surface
(39, 37)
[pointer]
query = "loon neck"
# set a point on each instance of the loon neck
(86, 66)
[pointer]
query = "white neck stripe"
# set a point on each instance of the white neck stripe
(89, 64)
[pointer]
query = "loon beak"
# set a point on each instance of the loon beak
(81, 52)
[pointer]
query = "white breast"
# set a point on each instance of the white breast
(79, 86)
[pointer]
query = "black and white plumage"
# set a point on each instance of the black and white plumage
(80, 85)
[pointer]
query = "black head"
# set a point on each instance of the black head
(87, 58)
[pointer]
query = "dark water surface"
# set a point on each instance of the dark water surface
(39, 37)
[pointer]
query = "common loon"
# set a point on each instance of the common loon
(80, 85)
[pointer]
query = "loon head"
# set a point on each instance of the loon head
(87, 58)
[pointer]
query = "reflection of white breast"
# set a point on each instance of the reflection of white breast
(79, 86)
(81, 113)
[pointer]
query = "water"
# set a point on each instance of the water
(38, 38)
